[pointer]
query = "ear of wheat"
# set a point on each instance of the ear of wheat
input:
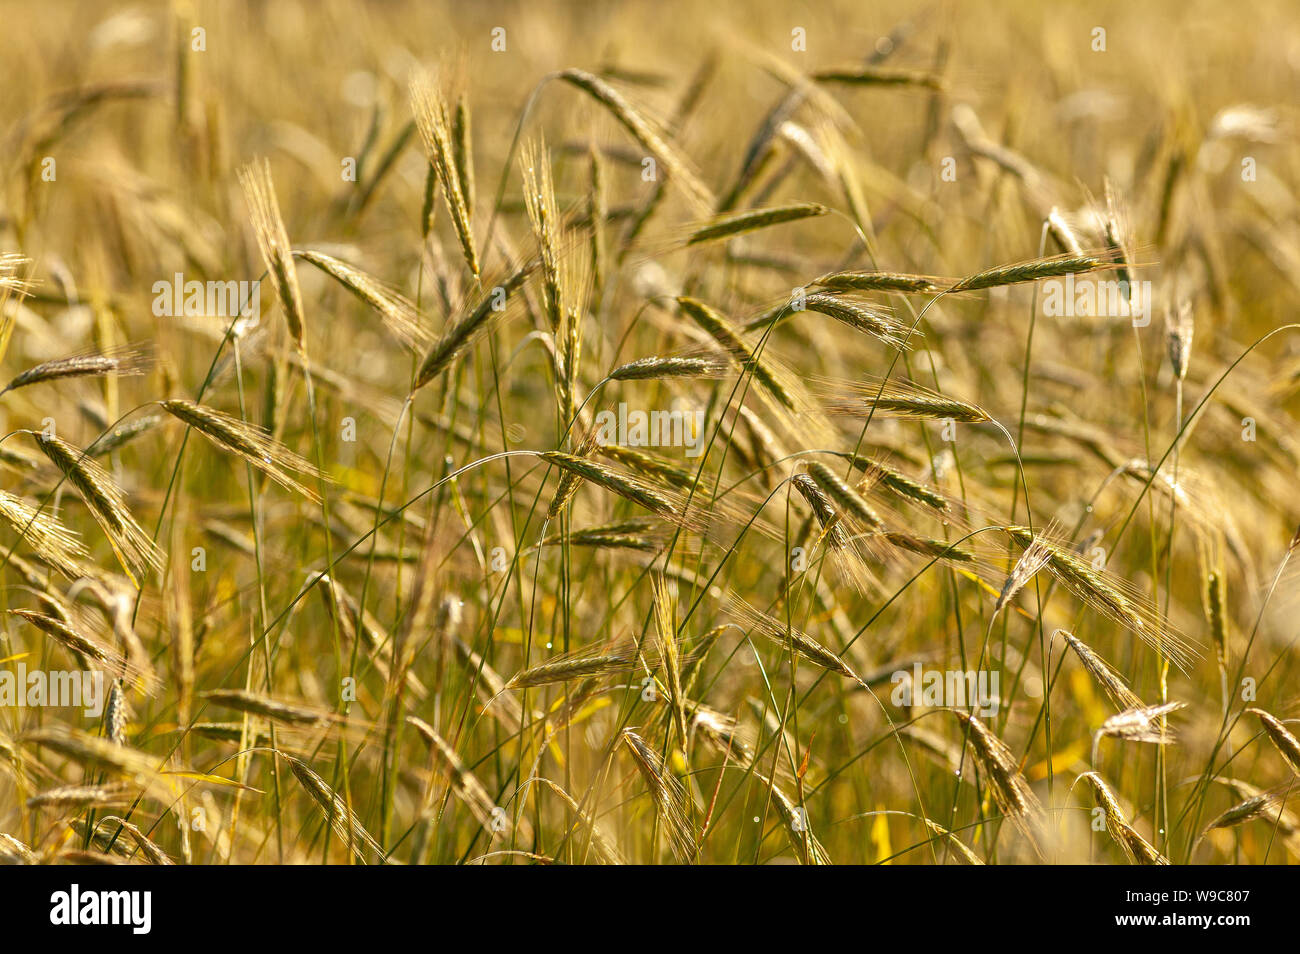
(730, 340)
(624, 485)
(1032, 559)
(67, 637)
(101, 754)
(1104, 594)
(1287, 745)
(148, 847)
(1010, 790)
(666, 792)
(665, 629)
(459, 335)
(135, 551)
(1137, 849)
(866, 398)
(872, 321)
(576, 665)
(54, 543)
(434, 121)
(347, 826)
(644, 133)
(1031, 271)
(795, 819)
(878, 76)
(799, 642)
(78, 797)
(849, 500)
(654, 368)
(1142, 724)
(963, 850)
(741, 223)
(121, 435)
(1103, 673)
(466, 784)
(399, 316)
(277, 710)
(248, 442)
(463, 151)
(880, 281)
(123, 361)
(544, 214)
(273, 241)
(877, 472)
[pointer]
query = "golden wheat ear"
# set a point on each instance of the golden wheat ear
(460, 334)
(657, 367)
(1108, 595)
(1010, 789)
(345, 822)
(1270, 806)
(400, 316)
(544, 216)
(249, 442)
(774, 380)
(273, 242)
(580, 664)
(867, 319)
(1137, 849)
(752, 220)
(466, 785)
(128, 360)
(79, 797)
(1287, 745)
(1034, 270)
(51, 541)
(283, 711)
(99, 754)
(835, 533)
(433, 118)
(93, 651)
(135, 551)
(644, 132)
(666, 792)
(617, 482)
(1101, 671)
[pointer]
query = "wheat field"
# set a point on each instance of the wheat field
(658, 433)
